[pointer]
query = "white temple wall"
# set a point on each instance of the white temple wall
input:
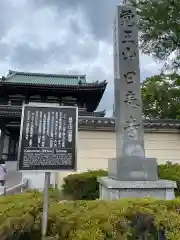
(96, 147)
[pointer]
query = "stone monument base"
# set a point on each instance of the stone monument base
(133, 168)
(111, 189)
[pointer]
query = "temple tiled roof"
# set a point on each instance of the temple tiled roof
(54, 85)
(28, 78)
(109, 123)
(95, 114)
(13, 113)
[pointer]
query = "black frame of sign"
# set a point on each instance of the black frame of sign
(48, 138)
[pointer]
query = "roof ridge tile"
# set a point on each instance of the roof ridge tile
(45, 79)
(41, 74)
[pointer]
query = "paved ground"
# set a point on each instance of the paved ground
(13, 178)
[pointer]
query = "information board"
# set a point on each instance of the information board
(48, 138)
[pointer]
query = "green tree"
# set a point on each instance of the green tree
(159, 25)
(161, 97)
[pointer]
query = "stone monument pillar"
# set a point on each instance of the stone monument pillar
(130, 174)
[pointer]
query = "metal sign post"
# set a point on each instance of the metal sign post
(48, 139)
(45, 205)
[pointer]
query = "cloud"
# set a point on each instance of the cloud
(99, 14)
(62, 36)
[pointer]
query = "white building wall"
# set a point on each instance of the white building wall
(96, 147)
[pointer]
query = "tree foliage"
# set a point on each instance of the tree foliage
(161, 97)
(159, 25)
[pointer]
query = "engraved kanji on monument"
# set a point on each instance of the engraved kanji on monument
(130, 174)
(130, 162)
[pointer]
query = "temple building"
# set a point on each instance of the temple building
(96, 135)
(23, 87)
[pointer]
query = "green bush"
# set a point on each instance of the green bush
(170, 171)
(20, 219)
(18, 214)
(84, 186)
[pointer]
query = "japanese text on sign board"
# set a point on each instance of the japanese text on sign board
(48, 138)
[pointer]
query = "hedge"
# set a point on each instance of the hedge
(18, 213)
(20, 219)
(84, 186)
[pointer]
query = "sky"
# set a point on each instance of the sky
(63, 36)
